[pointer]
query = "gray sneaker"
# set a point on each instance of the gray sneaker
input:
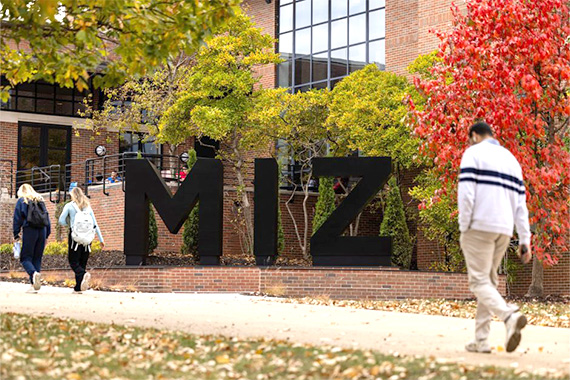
(37, 281)
(481, 346)
(514, 324)
(85, 281)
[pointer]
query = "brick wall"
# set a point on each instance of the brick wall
(556, 278)
(336, 283)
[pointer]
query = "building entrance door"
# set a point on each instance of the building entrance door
(40, 146)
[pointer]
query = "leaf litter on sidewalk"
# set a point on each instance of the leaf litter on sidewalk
(53, 348)
(551, 314)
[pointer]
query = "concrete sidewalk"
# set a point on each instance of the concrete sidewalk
(244, 317)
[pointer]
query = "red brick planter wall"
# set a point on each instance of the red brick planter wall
(336, 283)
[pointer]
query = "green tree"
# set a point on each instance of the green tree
(298, 119)
(221, 90)
(191, 225)
(152, 230)
(368, 113)
(68, 41)
(325, 203)
(394, 225)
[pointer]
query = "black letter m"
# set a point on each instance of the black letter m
(144, 184)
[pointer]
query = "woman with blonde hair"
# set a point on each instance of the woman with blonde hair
(82, 228)
(32, 219)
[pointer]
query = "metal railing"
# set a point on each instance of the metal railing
(101, 171)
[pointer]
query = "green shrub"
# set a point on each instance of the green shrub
(325, 203)
(6, 249)
(56, 248)
(394, 225)
(152, 231)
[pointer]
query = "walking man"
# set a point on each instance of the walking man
(491, 200)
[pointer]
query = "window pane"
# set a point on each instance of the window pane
(320, 67)
(302, 70)
(303, 41)
(302, 14)
(286, 45)
(377, 24)
(26, 89)
(377, 4)
(57, 157)
(63, 108)
(302, 89)
(57, 138)
(357, 57)
(29, 157)
(284, 74)
(286, 18)
(25, 104)
(44, 106)
(357, 32)
(338, 63)
(320, 38)
(30, 136)
(63, 93)
(320, 11)
(377, 53)
(45, 91)
(338, 8)
(334, 82)
(356, 6)
(338, 33)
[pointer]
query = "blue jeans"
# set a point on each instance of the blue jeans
(33, 244)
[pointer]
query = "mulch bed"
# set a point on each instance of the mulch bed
(107, 259)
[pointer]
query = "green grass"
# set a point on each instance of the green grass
(53, 348)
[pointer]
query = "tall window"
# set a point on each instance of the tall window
(44, 98)
(323, 41)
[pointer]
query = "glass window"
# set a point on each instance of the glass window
(25, 104)
(63, 108)
(303, 69)
(26, 89)
(63, 93)
(30, 136)
(303, 41)
(338, 63)
(320, 11)
(338, 8)
(377, 53)
(357, 29)
(44, 106)
(320, 67)
(356, 6)
(320, 38)
(357, 57)
(286, 18)
(324, 40)
(57, 138)
(285, 71)
(302, 14)
(45, 91)
(320, 85)
(338, 33)
(377, 24)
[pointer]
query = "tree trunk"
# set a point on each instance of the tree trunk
(247, 231)
(536, 288)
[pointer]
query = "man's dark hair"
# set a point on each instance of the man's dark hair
(481, 128)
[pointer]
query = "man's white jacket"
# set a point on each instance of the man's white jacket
(491, 194)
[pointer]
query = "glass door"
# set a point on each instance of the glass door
(39, 147)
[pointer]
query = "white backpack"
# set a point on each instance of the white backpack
(83, 229)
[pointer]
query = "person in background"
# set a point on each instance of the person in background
(491, 200)
(79, 255)
(34, 234)
(114, 178)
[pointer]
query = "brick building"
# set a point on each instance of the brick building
(321, 41)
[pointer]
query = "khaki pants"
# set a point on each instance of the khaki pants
(483, 254)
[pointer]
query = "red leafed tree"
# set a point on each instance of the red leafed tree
(507, 62)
